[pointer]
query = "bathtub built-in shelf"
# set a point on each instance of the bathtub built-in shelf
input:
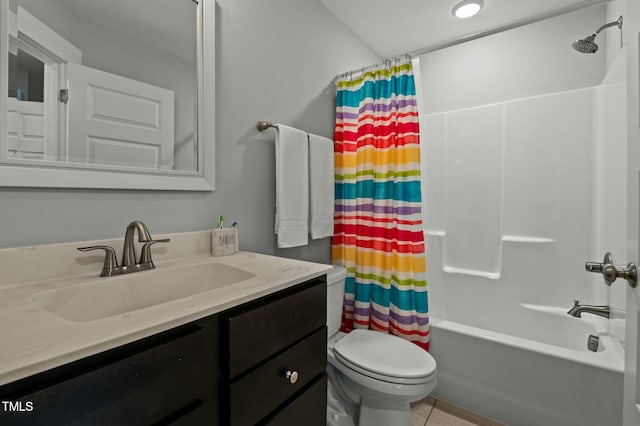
(483, 274)
(526, 239)
(495, 274)
(507, 238)
(441, 234)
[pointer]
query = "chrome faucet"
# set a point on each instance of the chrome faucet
(129, 263)
(577, 310)
(129, 251)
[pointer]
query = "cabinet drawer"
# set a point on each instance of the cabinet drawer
(257, 334)
(257, 394)
(309, 409)
(194, 413)
(139, 388)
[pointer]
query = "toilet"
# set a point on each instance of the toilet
(373, 376)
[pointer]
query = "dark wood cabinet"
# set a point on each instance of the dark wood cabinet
(258, 332)
(255, 395)
(154, 381)
(229, 368)
(277, 352)
(267, 341)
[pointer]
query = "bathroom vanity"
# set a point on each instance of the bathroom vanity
(251, 355)
(276, 353)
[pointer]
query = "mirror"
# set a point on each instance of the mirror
(107, 90)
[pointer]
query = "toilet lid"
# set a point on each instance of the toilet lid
(385, 355)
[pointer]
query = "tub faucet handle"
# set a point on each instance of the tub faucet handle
(611, 272)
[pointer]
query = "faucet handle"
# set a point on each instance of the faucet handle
(611, 272)
(110, 266)
(145, 256)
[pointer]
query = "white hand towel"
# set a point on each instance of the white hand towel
(292, 187)
(321, 186)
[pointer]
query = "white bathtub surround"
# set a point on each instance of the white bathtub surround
(610, 221)
(530, 223)
(518, 197)
(34, 340)
(498, 173)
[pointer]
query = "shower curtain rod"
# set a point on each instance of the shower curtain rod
(264, 125)
(443, 45)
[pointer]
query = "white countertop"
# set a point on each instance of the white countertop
(35, 340)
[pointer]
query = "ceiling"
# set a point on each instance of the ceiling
(403, 26)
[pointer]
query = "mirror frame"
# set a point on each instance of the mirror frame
(50, 174)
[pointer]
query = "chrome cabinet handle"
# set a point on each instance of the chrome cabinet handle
(611, 272)
(292, 376)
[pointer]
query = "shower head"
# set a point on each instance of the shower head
(588, 44)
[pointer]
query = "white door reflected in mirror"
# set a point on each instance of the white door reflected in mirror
(117, 121)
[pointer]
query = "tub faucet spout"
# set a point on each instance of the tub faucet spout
(577, 310)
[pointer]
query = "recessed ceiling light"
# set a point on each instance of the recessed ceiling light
(467, 8)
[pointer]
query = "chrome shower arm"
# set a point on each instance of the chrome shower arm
(617, 23)
(588, 44)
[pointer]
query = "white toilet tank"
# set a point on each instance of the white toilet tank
(335, 296)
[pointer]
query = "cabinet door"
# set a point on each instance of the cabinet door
(309, 409)
(258, 393)
(143, 385)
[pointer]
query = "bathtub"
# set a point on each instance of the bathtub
(533, 367)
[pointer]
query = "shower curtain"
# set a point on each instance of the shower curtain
(378, 233)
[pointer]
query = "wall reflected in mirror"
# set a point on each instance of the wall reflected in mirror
(111, 83)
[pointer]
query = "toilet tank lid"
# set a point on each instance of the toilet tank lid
(336, 274)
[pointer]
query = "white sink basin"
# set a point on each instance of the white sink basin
(106, 297)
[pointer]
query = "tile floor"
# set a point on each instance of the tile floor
(436, 412)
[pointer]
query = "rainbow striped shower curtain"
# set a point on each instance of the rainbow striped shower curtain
(378, 220)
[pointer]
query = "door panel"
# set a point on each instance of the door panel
(118, 121)
(26, 128)
(631, 378)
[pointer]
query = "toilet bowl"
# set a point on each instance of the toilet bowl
(373, 376)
